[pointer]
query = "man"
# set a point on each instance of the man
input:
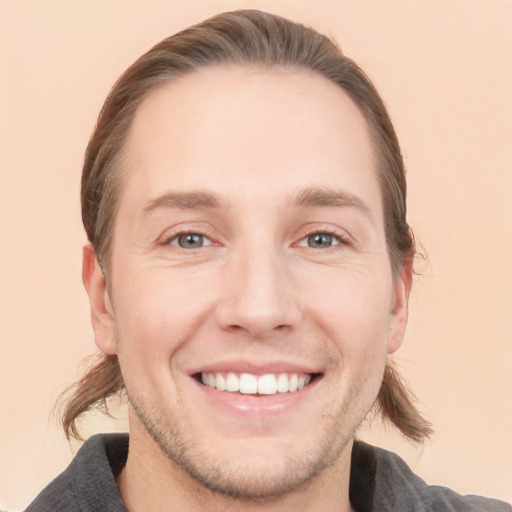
(248, 269)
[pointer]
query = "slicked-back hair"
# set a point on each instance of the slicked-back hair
(245, 38)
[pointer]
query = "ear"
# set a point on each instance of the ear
(400, 311)
(102, 313)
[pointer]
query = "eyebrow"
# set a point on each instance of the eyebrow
(329, 197)
(309, 197)
(183, 201)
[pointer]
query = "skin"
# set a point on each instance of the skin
(257, 162)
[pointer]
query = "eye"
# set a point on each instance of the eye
(190, 240)
(320, 241)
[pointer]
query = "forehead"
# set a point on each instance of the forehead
(259, 131)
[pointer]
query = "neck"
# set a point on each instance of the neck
(151, 481)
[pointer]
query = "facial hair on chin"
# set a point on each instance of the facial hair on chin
(240, 479)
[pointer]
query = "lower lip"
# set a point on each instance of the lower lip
(256, 404)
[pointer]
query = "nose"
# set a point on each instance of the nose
(258, 295)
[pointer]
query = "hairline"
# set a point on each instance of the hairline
(120, 170)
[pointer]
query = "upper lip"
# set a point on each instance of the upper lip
(259, 368)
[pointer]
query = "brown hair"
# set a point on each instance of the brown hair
(245, 38)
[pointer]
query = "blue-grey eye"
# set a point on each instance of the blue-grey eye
(190, 241)
(320, 240)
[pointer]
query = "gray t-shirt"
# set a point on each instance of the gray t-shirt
(380, 481)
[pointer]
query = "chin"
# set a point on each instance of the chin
(263, 476)
(257, 469)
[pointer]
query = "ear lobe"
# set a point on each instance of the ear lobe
(102, 313)
(400, 311)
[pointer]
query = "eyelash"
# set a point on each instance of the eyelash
(342, 240)
(175, 236)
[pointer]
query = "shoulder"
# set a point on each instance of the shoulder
(394, 487)
(88, 483)
(58, 495)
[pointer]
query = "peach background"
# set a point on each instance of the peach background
(443, 68)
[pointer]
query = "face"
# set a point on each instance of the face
(252, 303)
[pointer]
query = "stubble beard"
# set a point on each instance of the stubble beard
(237, 477)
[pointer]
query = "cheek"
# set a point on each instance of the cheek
(360, 336)
(354, 312)
(150, 329)
(156, 312)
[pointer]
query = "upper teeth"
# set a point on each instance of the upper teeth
(248, 383)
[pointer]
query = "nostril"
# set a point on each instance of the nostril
(235, 327)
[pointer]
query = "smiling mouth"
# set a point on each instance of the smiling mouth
(250, 384)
